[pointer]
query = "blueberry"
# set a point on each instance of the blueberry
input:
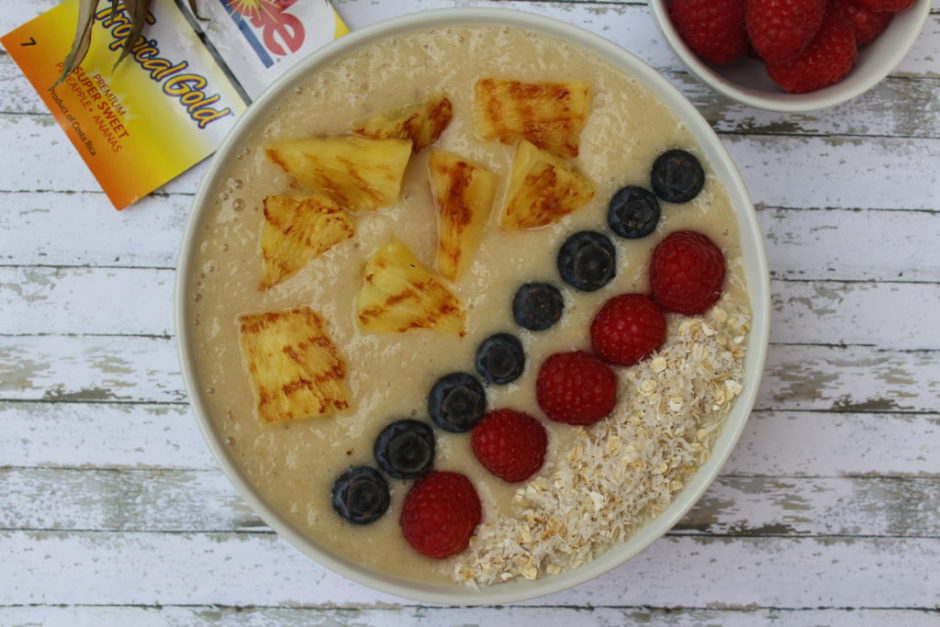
(587, 261)
(360, 495)
(405, 449)
(677, 176)
(457, 402)
(500, 358)
(537, 306)
(633, 212)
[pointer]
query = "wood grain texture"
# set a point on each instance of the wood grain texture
(200, 501)
(356, 616)
(261, 569)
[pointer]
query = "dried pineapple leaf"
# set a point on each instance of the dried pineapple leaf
(194, 7)
(82, 41)
(138, 10)
(296, 371)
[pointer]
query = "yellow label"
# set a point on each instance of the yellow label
(139, 124)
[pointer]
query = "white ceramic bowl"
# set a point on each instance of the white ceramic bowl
(756, 270)
(747, 82)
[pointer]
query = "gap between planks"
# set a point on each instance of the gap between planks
(436, 616)
(115, 568)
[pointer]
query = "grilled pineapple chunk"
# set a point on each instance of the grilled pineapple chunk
(295, 369)
(357, 173)
(297, 230)
(400, 294)
(463, 193)
(422, 122)
(550, 115)
(542, 189)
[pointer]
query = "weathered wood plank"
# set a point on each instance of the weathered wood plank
(87, 300)
(851, 379)
(83, 229)
(851, 245)
(187, 500)
(780, 171)
(261, 569)
(122, 500)
(90, 369)
(787, 443)
(854, 313)
(812, 171)
(101, 435)
(774, 443)
(898, 106)
(139, 301)
(68, 229)
(757, 506)
(206, 616)
(143, 369)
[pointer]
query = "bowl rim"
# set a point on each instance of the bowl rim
(752, 248)
(784, 102)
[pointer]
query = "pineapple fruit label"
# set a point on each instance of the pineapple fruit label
(172, 100)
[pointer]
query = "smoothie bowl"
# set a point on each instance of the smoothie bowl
(472, 306)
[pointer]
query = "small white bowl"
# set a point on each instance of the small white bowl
(747, 82)
(755, 267)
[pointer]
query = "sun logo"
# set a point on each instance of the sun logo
(251, 9)
(281, 32)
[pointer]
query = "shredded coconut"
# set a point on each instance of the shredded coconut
(625, 470)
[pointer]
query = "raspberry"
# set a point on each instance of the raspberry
(576, 388)
(713, 29)
(826, 61)
(628, 329)
(866, 24)
(781, 29)
(687, 272)
(439, 514)
(510, 444)
(886, 6)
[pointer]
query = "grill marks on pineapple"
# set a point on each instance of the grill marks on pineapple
(297, 230)
(542, 189)
(549, 115)
(422, 122)
(399, 294)
(463, 194)
(295, 370)
(454, 206)
(357, 173)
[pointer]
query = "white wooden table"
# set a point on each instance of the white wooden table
(113, 512)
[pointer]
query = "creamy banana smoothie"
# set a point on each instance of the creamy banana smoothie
(420, 238)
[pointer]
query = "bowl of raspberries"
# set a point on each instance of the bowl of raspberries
(791, 55)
